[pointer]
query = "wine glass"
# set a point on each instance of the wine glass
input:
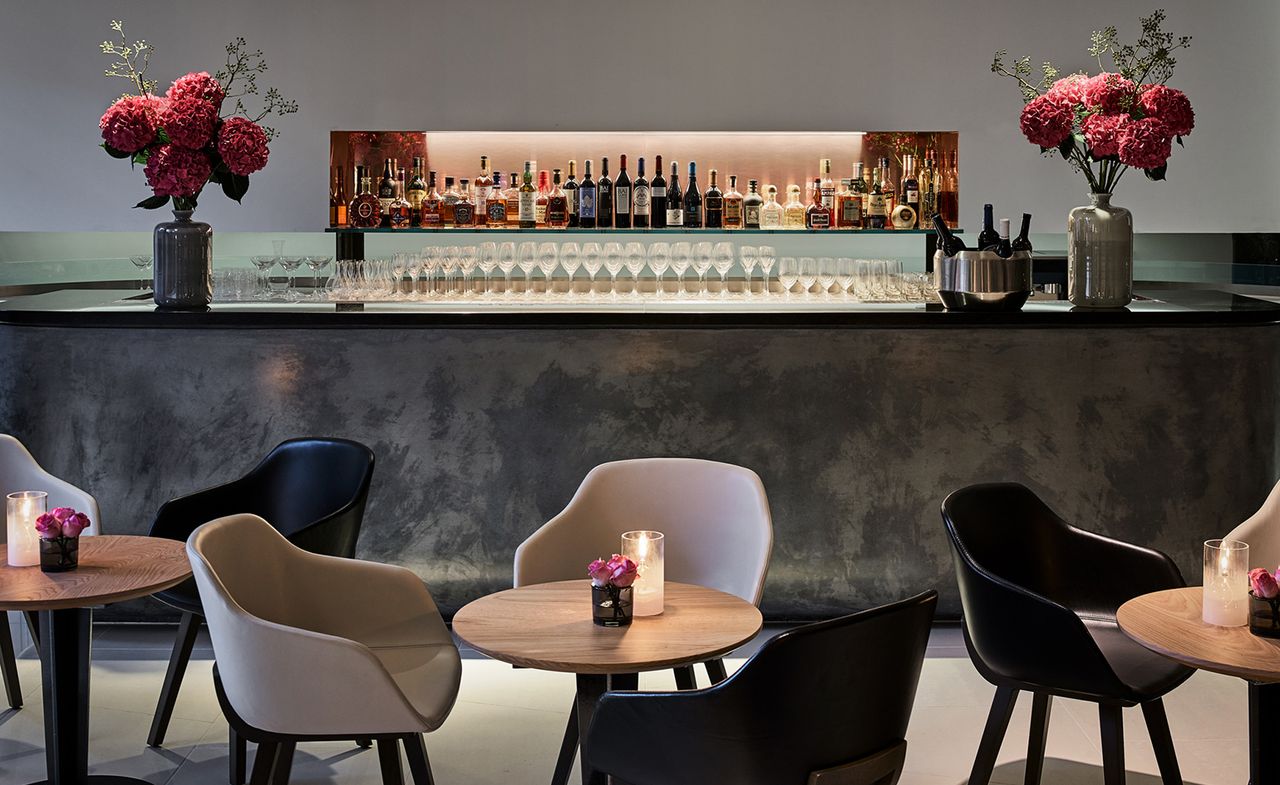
(681, 255)
(488, 261)
(277, 247)
(808, 273)
(722, 258)
(413, 266)
(452, 261)
(768, 256)
(430, 263)
(290, 265)
(659, 261)
(592, 258)
(527, 260)
(613, 264)
(263, 265)
(826, 275)
(702, 265)
(893, 280)
(467, 258)
(570, 260)
(749, 256)
(844, 275)
(788, 274)
(398, 265)
(316, 264)
(143, 262)
(634, 256)
(507, 264)
(548, 261)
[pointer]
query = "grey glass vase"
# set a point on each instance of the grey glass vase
(1100, 254)
(183, 263)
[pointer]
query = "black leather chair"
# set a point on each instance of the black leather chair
(312, 490)
(830, 699)
(1040, 599)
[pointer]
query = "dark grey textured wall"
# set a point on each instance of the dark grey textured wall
(1164, 436)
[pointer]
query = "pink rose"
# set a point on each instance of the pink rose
(1068, 91)
(599, 572)
(622, 571)
(61, 514)
(1109, 93)
(243, 145)
(130, 124)
(1145, 143)
(1262, 582)
(75, 524)
(177, 171)
(1101, 133)
(197, 85)
(48, 526)
(1045, 123)
(1170, 106)
(189, 122)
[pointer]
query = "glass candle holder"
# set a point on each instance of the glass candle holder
(22, 539)
(647, 550)
(1226, 583)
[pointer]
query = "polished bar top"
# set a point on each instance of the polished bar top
(123, 308)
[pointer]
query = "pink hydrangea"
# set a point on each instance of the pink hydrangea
(1145, 143)
(1101, 132)
(177, 171)
(1171, 106)
(1045, 122)
(243, 145)
(1109, 93)
(197, 85)
(189, 122)
(130, 124)
(1068, 91)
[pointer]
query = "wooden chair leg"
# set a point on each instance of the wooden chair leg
(715, 670)
(178, 660)
(1041, 704)
(993, 735)
(1112, 723)
(415, 749)
(685, 678)
(237, 757)
(389, 760)
(284, 763)
(264, 762)
(9, 664)
(568, 749)
(1161, 741)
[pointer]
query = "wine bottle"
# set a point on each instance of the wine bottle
(604, 197)
(387, 191)
(658, 196)
(988, 239)
(528, 199)
(675, 200)
(1022, 242)
(587, 198)
(641, 198)
(571, 193)
(713, 204)
(693, 199)
(1004, 249)
(948, 242)
(622, 196)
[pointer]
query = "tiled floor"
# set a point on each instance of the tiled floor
(506, 727)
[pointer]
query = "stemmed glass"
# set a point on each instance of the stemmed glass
(413, 266)
(488, 261)
(570, 260)
(893, 280)
(808, 273)
(680, 259)
(398, 265)
(788, 274)
(527, 260)
(613, 264)
(767, 258)
(844, 275)
(659, 261)
(290, 265)
(430, 263)
(592, 258)
(826, 275)
(548, 261)
(452, 264)
(634, 254)
(722, 258)
(701, 265)
(467, 258)
(750, 257)
(507, 264)
(277, 247)
(143, 262)
(316, 264)
(263, 265)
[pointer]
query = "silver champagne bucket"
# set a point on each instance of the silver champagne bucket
(982, 281)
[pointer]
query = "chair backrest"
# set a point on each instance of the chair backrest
(1262, 531)
(715, 518)
(19, 471)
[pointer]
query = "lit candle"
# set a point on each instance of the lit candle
(645, 548)
(1226, 583)
(23, 540)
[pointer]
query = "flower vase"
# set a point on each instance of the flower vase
(1100, 254)
(59, 554)
(183, 263)
(1264, 616)
(611, 605)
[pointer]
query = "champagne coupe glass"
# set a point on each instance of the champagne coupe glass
(316, 264)
(659, 261)
(722, 258)
(264, 265)
(398, 265)
(548, 261)
(507, 264)
(826, 275)
(702, 265)
(592, 258)
(488, 261)
(290, 265)
(768, 256)
(749, 256)
(844, 275)
(570, 260)
(808, 273)
(681, 254)
(613, 264)
(527, 260)
(143, 262)
(467, 258)
(634, 254)
(413, 266)
(788, 274)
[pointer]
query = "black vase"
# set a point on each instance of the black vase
(611, 606)
(183, 263)
(1264, 616)
(59, 554)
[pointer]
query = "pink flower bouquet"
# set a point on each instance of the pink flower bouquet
(611, 583)
(59, 532)
(1264, 613)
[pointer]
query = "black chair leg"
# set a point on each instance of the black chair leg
(1161, 741)
(993, 735)
(9, 664)
(389, 760)
(568, 749)
(284, 763)
(1112, 722)
(178, 659)
(264, 762)
(715, 670)
(685, 678)
(1041, 704)
(364, 744)
(237, 756)
(33, 627)
(415, 749)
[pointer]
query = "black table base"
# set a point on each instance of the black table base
(1264, 744)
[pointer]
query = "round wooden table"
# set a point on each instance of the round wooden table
(112, 568)
(548, 627)
(1168, 622)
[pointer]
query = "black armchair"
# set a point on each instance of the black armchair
(830, 699)
(1040, 599)
(313, 490)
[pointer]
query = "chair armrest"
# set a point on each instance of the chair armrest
(1106, 573)
(178, 517)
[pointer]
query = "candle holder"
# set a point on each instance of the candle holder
(647, 549)
(611, 605)
(23, 543)
(1226, 583)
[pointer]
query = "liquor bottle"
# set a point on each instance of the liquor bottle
(400, 213)
(430, 214)
(365, 210)
(793, 212)
(337, 199)
(928, 188)
(1004, 248)
(448, 201)
(417, 189)
(481, 188)
(771, 211)
(528, 199)
(733, 205)
(495, 208)
(604, 197)
(826, 186)
(571, 193)
(910, 188)
(818, 215)
(887, 187)
(877, 212)
(675, 200)
(557, 204)
(948, 192)
(693, 199)
(512, 195)
(658, 196)
(948, 242)
(866, 196)
(622, 196)
(1023, 242)
(387, 191)
(988, 238)
(641, 198)
(464, 211)
(587, 198)
(544, 196)
(857, 204)
(713, 204)
(751, 204)
(848, 214)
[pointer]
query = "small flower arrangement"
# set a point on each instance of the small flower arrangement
(1264, 616)
(59, 532)
(611, 583)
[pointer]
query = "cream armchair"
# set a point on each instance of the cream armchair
(1262, 531)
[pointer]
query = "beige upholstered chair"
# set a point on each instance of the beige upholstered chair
(1262, 532)
(312, 647)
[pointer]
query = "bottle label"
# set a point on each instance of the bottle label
(713, 204)
(675, 216)
(658, 192)
(587, 202)
(828, 196)
(622, 200)
(913, 196)
(527, 212)
(364, 211)
(386, 204)
(497, 212)
(819, 219)
(877, 206)
(464, 213)
(482, 194)
(851, 214)
(415, 198)
(733, 212)
(751, 215)
(571, 200)
(556, 215)
(540, 212)
(642, 199)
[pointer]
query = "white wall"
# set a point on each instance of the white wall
(617, 65)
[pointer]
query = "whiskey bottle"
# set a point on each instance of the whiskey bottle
(604, 197)
(400, 212)
(818, 215)
(887, 187)
(337, 199)
(658, 196)
(848, 213)
(771, 212)
(481, 188)
(793, 212)
(826, 186)
(365, 210)
(512, 195)
(949, 192)
(713, 204)
(751, 204)
(571, 193)
(675, 200)
(587, 198)
(622, 196)
(417, 190)
(877, 214)
(430, 214)
(495, 207)
(641, 198)
(557, 204)
(387, 191)
(464, 210)
(528, 199)
(910, 190)
(693, 199)
(544, 195)
(733, 205)
(448, 202)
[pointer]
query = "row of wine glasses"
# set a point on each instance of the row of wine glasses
(290, 265)
(865, 280)
(143, 263)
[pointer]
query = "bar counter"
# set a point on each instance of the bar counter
(1156, 424)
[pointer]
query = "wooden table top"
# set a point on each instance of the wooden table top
(1168, 622)
(548, 626)
(112, 568)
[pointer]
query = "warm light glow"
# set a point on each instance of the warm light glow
(645, 548)
(23, 542)
(1226, 583)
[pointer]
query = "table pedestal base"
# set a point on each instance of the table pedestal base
(1264, 745)
(590, 687)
